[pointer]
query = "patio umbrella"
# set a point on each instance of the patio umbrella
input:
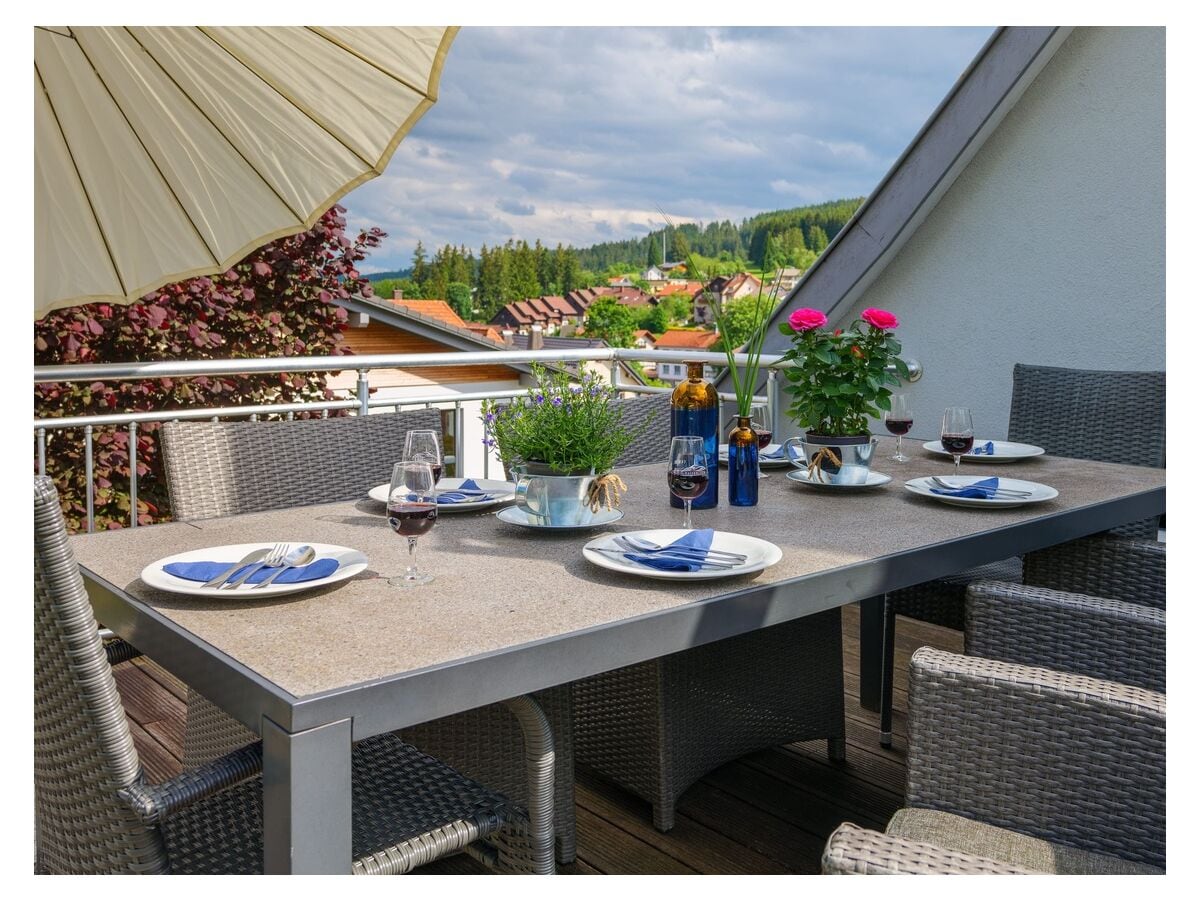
(167, 153)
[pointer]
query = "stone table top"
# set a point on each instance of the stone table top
(500, 586)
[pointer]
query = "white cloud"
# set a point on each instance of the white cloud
(578, 134)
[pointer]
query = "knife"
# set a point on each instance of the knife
(252, 557)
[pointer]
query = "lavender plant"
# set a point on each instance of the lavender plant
(568, 424)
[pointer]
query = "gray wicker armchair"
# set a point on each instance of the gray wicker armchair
(1116, 631)
(657, 727)
(95, 813)
(1016, 769)
(1056, 409)
(218, 469)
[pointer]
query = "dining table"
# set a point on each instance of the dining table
(513, 610)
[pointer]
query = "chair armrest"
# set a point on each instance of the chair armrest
(851, 850)
(1103, 565)
(1094, 636)
(1067, 758)
(152, 803)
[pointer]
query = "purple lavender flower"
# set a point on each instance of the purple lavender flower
(557, 401)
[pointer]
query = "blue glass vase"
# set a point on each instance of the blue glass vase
(743, 464)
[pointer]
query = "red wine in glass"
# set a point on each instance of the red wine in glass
(412, 519)
(958, 444)
(689, 483)
(437, 472)
(898, 426)
(764, 437)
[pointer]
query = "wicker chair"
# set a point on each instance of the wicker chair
(95, 813)
(217, 469)
(1062, 411)
(1016, 769)
(657, 727)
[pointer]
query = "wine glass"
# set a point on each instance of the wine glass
(425, 447)
(760, 424)
(412, 511)
(687, 475)
(898, 421)
(958, 434)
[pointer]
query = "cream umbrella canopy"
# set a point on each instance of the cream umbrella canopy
(167, 153)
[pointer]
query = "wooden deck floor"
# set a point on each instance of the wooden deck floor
(768, 813)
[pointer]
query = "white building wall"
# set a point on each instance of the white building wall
(1049, 248)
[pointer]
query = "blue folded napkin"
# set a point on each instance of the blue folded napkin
(468, 492)
(205, 571)
(980, 490)
(700, 539)
(987, 449)
(777, 453)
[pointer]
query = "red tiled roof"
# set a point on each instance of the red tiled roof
(434, 309)
(485, 330)
(685, 339)
(561, 304)
(533, 314)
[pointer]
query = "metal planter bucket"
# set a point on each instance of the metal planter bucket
(833, 460)
(555, 500)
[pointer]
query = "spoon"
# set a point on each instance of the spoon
(301, 556)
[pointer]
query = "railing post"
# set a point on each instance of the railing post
(364, 392)
(774, 408)
(87, 474)
(133, 474)
(41, 439)
(460, 420)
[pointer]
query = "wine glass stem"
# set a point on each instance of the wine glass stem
(899, 439)
(956, 459)
(411, 572)
(687, 514)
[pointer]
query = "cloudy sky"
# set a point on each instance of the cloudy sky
(579, 134)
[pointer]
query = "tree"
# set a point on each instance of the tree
(566, 268)
(278, 301)
(773, 256)
(679, 246)
(524, 277)
(740, 317)
(420, 273)
(609, 320)
(817, 239)
(458, 295)
(653, 257)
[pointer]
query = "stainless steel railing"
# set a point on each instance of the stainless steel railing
(361, 402)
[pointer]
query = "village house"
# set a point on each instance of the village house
(696, 339)
(724, 288)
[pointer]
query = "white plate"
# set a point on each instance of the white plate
(502, 491)
(1039, 493)
(1004, 451)
(759, 555)
(514, 515)
(350, 563)
(874, 480)
(781, 463)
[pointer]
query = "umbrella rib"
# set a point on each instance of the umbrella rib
(154, 162)
(112, 260)
(311, 116)
(300, 217)
(320, 32)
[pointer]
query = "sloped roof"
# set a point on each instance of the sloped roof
(435, 309)
(686, 339)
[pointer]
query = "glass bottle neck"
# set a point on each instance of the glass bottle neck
(695, 371)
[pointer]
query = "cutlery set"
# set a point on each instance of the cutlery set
(279, 557)
(998, 491)
(709, 559)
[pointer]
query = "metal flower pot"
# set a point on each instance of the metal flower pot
(554, 500)
(833, 460)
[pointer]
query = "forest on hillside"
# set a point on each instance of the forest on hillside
(479, 284)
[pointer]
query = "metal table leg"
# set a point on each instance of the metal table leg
(870, 651)
(306, 799)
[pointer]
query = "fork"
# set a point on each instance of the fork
(702, 563)
(643, 546)
(1000, 492)
(275, 558)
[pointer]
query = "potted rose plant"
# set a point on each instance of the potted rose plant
(560, 443)
(839, 380)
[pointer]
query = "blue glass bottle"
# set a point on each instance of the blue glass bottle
(743, 464)
(696, 409)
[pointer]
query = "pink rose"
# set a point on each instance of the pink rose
(807, 319)
(880, 318)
